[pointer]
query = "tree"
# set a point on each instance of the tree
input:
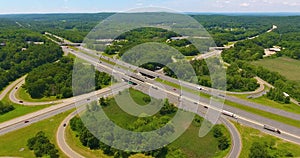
(258, 150)
(41, 146)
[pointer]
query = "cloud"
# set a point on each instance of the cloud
(244, 4)
(291, 3)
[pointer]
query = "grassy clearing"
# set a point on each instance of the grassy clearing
(287, 67)
(250, 135)
(138, 96)
(265, 114)
(293, 108)
(12, 142)
(23, 95)
(195, 147)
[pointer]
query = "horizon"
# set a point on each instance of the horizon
(95, 6)
(190, 13)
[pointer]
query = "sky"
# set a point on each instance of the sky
(92, 6)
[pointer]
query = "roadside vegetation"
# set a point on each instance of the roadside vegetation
(188, 145)
(258, 144)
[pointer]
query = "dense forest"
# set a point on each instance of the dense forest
(19, 52)
(55, 79)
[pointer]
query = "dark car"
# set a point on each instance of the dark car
(20, 101)
(65, 125)
(26, 121)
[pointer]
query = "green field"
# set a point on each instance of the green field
(250, 135)
(287, 67)
(23, 95)
(19, 110)
(12, 142)
(190, 144)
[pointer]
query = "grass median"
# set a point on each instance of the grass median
(263, 100)
(262, 113)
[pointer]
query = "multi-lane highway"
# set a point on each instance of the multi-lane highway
(68, 104)
(289, 132)
(193, 101)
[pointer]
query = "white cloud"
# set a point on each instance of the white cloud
(244, 4)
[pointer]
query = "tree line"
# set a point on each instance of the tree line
(55, 79)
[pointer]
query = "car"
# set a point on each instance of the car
(88, 99)
(26, 121)
(195, 103)
(154, 87)
(16, 88)
(174, 89)
(65, 125)
(21, 101)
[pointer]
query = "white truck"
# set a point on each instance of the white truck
(227, 113)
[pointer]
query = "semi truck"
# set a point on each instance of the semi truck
(227, 113)
(270, 128)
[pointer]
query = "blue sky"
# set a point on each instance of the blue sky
(71, 6)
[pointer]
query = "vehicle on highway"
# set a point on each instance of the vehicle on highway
(227, 113)
(174, 89)
(270, 128)
(201, 88)
(154, 87)
(21, 101)
(88, 99)
(16, 88)
(206, 107)
(65, 125)
(26, 121)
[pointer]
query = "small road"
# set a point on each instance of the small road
(61, 140)
(14, 99)
(236, 140)
(11, 86)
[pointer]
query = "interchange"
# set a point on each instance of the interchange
(242, 117)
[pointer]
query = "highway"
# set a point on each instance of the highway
(289, 132)
(206, 90)
(19, 122)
